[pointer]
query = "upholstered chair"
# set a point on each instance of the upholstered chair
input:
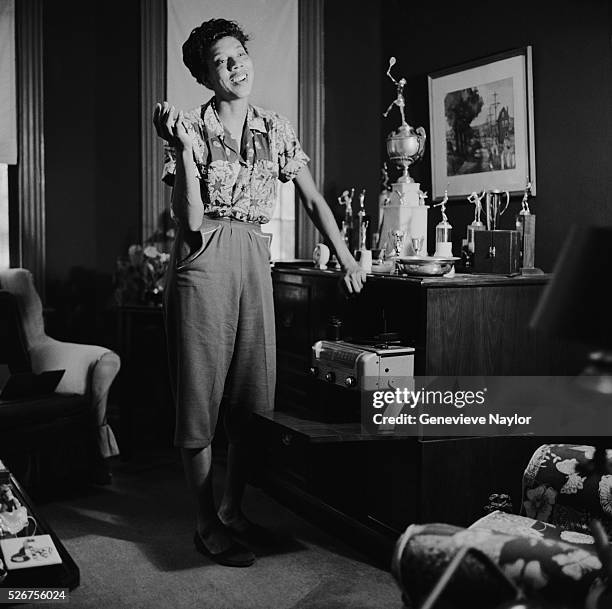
(90, 370)
(549, 552)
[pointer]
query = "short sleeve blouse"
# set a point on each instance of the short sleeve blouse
(240, 181)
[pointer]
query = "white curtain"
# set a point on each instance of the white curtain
(8, 115)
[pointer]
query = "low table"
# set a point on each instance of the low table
(65, 575)
(44, 436)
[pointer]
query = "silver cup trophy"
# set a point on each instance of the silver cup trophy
(405, 145)
(404, 208)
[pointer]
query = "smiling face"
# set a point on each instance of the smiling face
(229, 70)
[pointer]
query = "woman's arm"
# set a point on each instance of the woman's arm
(319, 212)
(186, 198)
(187, 203)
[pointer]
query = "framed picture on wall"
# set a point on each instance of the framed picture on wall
(481, 126)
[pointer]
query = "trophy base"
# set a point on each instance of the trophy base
(411, 220)
(406, 193)
(444, 249)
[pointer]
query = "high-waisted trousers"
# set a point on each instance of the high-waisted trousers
(219, 319)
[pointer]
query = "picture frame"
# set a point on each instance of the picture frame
(481, 126)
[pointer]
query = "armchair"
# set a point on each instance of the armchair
(90, 370)
(548, 552)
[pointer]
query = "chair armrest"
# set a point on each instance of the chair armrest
(77, 360)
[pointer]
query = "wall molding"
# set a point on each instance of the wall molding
(29, 251)
(153, 34)
(311, 110)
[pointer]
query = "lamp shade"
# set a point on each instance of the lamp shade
(575, 304)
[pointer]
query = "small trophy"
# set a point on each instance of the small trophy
(444, 230)
(398, 242)
(383, 199)
(417, 244)
(495, 207)
(525, 211)
(525, 225)
(363, 233)
(365, 255)
(477, 223)
(363, 221)
(348, 222)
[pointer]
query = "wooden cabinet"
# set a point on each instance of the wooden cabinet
(466, 325)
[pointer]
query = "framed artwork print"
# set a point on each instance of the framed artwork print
(481, 126)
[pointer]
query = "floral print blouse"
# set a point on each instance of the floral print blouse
(240, 181)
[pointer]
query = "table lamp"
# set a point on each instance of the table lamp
(575, 306)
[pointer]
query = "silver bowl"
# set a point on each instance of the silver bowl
(425, 266)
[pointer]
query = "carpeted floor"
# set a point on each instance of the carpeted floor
(132, 542)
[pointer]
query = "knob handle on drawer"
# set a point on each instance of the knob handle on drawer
(350, 381)
(314, 371)
(286, 439)
(330, 376)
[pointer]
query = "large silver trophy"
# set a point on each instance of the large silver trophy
(406, 144)
(404, 210)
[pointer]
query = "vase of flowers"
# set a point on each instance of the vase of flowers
(140, 278)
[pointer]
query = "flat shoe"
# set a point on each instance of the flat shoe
(254, 533)
(236, 555)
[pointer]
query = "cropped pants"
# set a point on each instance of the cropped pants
(219, 318)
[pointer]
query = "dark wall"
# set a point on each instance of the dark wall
(572, 76)
(91, 77)
(352, 100)
(91, 113)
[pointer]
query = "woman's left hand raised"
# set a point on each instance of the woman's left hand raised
(354, 277)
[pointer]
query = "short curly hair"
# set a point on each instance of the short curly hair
(197, 47)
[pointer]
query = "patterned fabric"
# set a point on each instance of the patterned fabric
(531, 553)
(240, 181)
(548, 553)
(556, 490)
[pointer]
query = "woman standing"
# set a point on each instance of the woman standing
(223, 160)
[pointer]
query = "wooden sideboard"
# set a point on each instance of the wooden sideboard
(465, 325)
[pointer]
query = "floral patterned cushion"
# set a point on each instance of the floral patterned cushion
(545, 562)
(557, 491)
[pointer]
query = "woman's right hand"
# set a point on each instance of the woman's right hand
(171, 127)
